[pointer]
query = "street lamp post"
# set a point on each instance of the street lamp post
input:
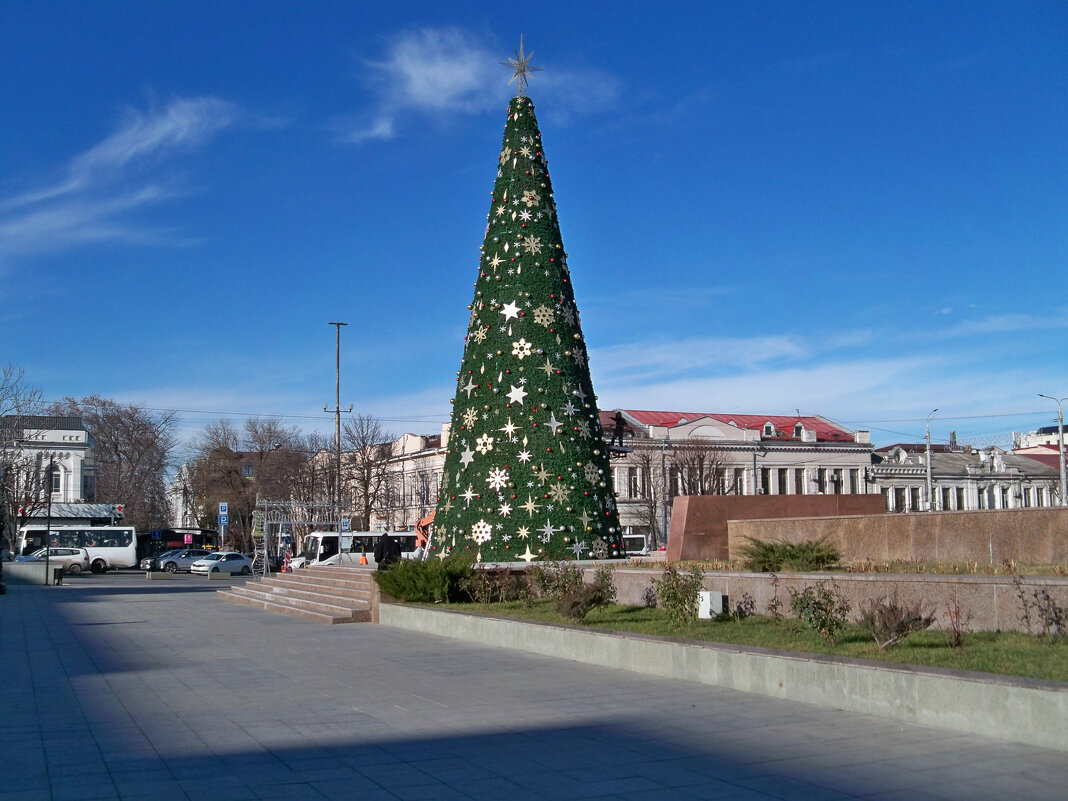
(337, 433)
(930, 495)
(1060, 440)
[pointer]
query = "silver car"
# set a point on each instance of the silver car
(72, 560)
(180, 560)
(222, 562)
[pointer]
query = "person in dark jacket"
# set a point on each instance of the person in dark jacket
(387, 551)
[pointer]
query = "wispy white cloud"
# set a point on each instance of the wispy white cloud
(648, 360)
(451, 71)
(1005, 323)
(96, 192)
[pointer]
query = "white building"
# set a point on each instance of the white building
(411, 489)
(962, 478)
(29, 442)
(1047, 435)
(658, 455)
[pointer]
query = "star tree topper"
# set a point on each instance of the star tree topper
(521, 65)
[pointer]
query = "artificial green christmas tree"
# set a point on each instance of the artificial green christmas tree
(526, 474)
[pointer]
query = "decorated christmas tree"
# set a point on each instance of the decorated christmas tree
(526, 474)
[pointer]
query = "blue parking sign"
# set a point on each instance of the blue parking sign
(224, 520)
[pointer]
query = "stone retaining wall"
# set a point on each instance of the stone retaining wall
(991, 600)
(1039, 536)
(1024, 710)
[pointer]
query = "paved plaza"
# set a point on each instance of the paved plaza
(118, 688)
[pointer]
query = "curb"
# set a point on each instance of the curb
(1018, 709)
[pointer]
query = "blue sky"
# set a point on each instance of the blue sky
(856, 210)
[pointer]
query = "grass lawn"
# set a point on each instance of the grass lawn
(1009, 653)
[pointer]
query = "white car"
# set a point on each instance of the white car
(72, 560)
(222, 562)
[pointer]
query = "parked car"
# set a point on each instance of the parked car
(222, 562)
(72, 560)
(151, 563)
(174, 561)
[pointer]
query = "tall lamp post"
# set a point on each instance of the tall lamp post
(930, 490)
(1060, 442)
(337, 433)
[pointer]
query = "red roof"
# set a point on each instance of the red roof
(826, 431)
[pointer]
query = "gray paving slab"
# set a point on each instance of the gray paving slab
(116, 688)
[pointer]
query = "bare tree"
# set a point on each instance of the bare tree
(653, 490)
(266, 460)
(366, 446)
(702, 467)
(21, 473)
(133, 451)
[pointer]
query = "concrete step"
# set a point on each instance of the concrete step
(359, 596)
(326, 604)
(332, 584)
(353, 616)
(325, 595)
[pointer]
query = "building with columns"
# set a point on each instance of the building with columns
(658, 455)
(963, 478)
(30, 441)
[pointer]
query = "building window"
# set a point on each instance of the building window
(822, 478)
(57, 481)
(799, 430)
(765, 481)
(769, 430)
(739, 481)
(632, 482)
(799, 481)
(982, 498)
(961, 506)
(1004, 498)
(947, 497)
(1040, 499)
(854, 481)
(836, 480)
(899, 499)
(914, 498)
(886, 500)
(784, 481)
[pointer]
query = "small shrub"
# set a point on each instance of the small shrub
(744, 608)
(649, 598)
(432, 581)
(487, 585)
(822, 607)
(957, 619)
(678, 595)
(889, 621)
(1052, 617)
(775, 605)
(555, 579)
(577, 602)
(762, 556)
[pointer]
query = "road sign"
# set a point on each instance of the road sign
(224, 520)
(224, 508)
(345, 524)
(187, 539)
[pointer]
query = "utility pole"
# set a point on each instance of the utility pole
(930, 497)
(337, 433)
(48, 523)
(1060, 441)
